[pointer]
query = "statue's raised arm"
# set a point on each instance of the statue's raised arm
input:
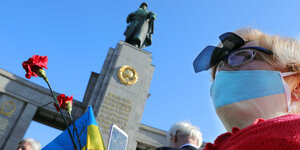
(140, 27)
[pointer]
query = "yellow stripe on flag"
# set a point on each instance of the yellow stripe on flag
(94, 140)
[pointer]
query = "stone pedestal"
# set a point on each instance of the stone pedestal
(115, 102)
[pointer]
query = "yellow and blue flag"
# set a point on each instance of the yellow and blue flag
(89, 135)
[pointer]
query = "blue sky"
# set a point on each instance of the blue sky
(76, 36)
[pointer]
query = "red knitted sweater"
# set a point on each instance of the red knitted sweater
(280, 133)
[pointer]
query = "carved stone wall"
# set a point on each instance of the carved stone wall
(116, 102)
(113, 101)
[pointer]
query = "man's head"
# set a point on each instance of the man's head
(144, 5)
(182, 133)
(29, 144)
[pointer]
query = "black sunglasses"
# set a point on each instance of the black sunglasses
(232, 43)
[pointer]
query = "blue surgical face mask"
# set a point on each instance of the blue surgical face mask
(240, 97)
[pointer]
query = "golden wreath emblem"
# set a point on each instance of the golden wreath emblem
(127, 75)
(8, 108)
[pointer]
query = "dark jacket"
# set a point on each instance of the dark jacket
(183, 148)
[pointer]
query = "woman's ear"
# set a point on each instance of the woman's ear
(294, 84)
(295, 94)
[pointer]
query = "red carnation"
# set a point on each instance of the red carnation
(34, 66)
(65, 102)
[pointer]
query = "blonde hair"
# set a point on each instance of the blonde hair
(286, 57)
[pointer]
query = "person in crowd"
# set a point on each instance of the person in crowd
(183, 136)
(255, 90)
(29, 144)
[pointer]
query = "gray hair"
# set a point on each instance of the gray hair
(33, 143)
(185, 129)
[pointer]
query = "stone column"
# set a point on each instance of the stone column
(119, 93)
(15, 117)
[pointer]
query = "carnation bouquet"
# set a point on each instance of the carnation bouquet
(34, 68)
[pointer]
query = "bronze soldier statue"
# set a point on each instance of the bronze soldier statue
(140, 27)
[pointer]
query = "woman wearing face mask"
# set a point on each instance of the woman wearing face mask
(255, 75)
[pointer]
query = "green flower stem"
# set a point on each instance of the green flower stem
(56, 101)
(41, 73)
(70, 115)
